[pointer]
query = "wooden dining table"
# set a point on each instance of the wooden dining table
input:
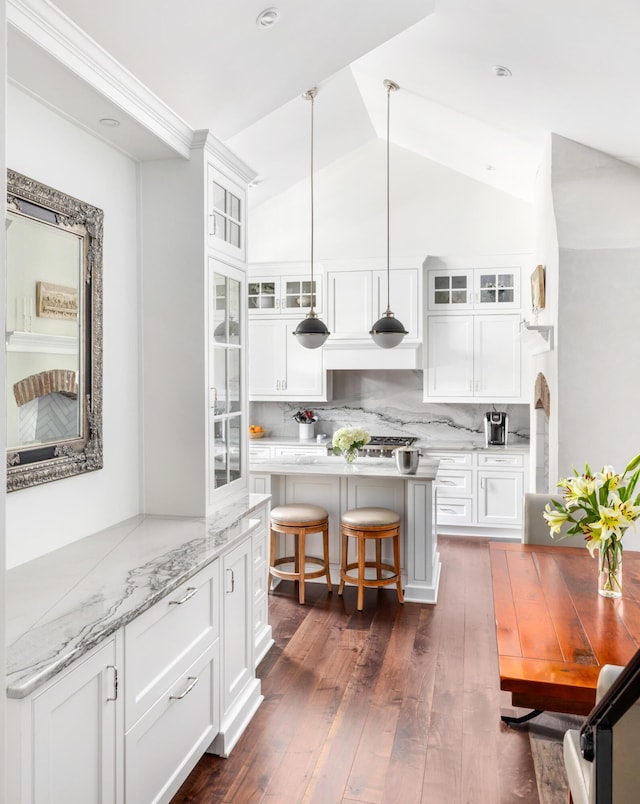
(554, 631)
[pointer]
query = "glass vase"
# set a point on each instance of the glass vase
(350, 455)
(610, 571)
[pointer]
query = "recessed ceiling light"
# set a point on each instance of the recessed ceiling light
(267, 18)
(501, 72)
(110, 122)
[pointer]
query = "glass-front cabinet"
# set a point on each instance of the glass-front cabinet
(277, 290)
(226, 215)
(474, 289)
(226, 375)
(282, 295)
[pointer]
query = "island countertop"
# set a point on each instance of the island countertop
(62, 604)
(336, 465)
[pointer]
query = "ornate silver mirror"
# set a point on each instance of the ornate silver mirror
(54, 334)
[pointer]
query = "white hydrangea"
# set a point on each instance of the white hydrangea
(349, 438)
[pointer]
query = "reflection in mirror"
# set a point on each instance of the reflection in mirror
(54, 334)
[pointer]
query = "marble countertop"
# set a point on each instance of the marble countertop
(66, 602)
(336, 465)
(425, 446)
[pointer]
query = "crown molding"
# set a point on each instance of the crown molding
(61, 38)
(205, 140)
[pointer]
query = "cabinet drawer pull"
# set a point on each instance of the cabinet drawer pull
(447, 510)
(231, 581)
(447, 482)
(187, 690)
(191, 590)
(115, 682)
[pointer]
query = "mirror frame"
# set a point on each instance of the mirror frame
(44, 463)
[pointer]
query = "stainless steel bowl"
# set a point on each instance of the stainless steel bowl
(407, 460)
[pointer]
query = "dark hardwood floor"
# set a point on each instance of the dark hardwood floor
(393, 704)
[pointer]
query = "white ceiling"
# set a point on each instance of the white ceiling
(574, 64)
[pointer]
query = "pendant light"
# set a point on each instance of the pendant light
(387, 332)
(311, 332)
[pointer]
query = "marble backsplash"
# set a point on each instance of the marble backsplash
(390, 403)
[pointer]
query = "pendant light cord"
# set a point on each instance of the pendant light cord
(310, 95)
(390, 85)
(388, 202)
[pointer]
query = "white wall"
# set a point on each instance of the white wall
(3, 274)
(48, 148)
(545, 254)
(434, 210)
(597, 206)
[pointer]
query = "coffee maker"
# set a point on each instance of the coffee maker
(496, 428)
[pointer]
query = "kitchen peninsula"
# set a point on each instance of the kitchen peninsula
(338, 486)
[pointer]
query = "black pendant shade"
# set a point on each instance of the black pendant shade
(311, 332)
(388, 331)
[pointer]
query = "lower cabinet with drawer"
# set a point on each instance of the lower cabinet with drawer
(128, 720)
(479, 492)
(172, 677)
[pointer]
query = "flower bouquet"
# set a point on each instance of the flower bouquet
(601, 505)
(348, 440)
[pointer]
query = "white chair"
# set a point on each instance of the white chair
(534, 526)
(625, 754)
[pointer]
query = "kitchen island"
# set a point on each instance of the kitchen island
(337, 486)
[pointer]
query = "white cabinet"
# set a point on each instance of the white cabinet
(240, 687)
(276, 295)
(280, 368)
(263, 639)
(473, 356)
(64, 744)
(204, 233)
(480, 492)
(473, 289)
(500, 488)
(164, 745)
(172, 687)
(226, 214)
(357, 299)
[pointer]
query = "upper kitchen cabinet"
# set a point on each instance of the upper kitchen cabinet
(194, 328)
(472, 357)
(355, 299)
(226, 206)
(480, 289)
(280, 368)
(277, 290)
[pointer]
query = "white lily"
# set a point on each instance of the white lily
(555, 519)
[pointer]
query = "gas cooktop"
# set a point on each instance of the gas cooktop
(392, 441)
(384, 445)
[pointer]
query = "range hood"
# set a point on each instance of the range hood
(344, 354)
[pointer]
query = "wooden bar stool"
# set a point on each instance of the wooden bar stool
(363, 524)
(298, 520)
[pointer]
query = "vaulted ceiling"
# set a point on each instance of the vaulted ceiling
(574, 66)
